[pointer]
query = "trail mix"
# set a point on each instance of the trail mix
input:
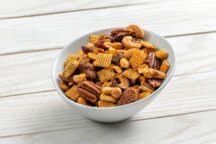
(114, 69)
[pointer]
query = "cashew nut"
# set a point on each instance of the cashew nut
(139, 33)
(116, 92)
(128, 42)
(124, 63)
(124, 82)
(79, 78)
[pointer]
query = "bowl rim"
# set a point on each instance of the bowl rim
(71, 102)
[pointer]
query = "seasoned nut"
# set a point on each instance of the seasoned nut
(124, 82)
(79, 78)
(114, 82)
(144, 94)
(125, 31)
(87, 49)
(153, 61)
(155, 82)
(148, 45)
(116, 58)
(112, 50)
(129, 95)
(153, 73)
(146, 87)
(124, 63)
(142, 79)
(63, 86)
(142, 68)
(114, 91)
(139, 33)
(92, 55)
(82, 101)
(107, 98)
(129, 42)
(117, 69)
(106, 84)
(161, 54)
(117, 45)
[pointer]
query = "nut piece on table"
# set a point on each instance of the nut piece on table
(153, 73)
(124, 82)
(105, 104)
(129, 95)
(89, 91)
(79, 78)
(107, 98)
(124, 63)
(139, 33)
(81, 100)
(161, 54)
(129, 42)
(116, 92)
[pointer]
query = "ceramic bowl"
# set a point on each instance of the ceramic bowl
(118, 113)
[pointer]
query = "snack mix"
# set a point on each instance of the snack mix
(114, 69)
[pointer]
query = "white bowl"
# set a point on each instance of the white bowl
(112, 114)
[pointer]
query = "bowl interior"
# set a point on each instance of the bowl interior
(74, 47)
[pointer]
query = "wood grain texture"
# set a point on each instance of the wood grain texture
(194, 128)
(55, 31)
(46, 111)
(11, 9)
(31, 72)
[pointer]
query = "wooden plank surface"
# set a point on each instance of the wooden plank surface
(31, 72)
(46, 111)
(55, 31)
(11, 9)
(194, 128)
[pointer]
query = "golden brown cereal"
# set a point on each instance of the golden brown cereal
(82, 100)
(137, 58)
(94, 38)
(70, 68)
(164, 66)
(105, 104)
(161, 54)
(128, 53)
(148, 45)
(70, 58)
(72, 93)
(92, 56)
(131, 74)
(106, 74)
(107, 98)
(144, 94)
(88, 45)
(103, 60)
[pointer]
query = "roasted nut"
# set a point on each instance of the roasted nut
(142, 68)
(125, 31)
(153, 73)
(89, 91)
(144, 94)
(79, 78)
(116, 58)
(92, 55)
(82, 101)
(129, 42)
(117, 69)
(139, 33)
(63, 86)
(114, 82)
(141, 79)
(155, 82)
(161, 54)
(112, 50)
(124, 82)
(107, 98)
(146, 87)
(124, 63)
(86, 50)
(116, 92)
(69, 79)
(117, 45)
(148, 45)
(129, 95)
(106, 84)
(153, 61)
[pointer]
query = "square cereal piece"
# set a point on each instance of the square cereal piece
(137, 58)
(103, 60)
(72, 93)
(131, 74)
(70, 68)
(101, 103)
(94, 38)
(106, 74)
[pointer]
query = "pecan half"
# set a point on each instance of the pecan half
(89, 91)
(115, 32)
(153, 62)
(155, 82)
(129, 95)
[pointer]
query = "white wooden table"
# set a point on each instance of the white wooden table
(33, 32)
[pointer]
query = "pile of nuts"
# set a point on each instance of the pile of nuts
(114, 69)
